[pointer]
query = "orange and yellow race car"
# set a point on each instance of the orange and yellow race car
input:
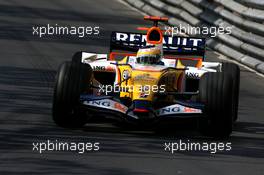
(146, 78)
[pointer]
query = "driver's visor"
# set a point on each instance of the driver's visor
(148, 59)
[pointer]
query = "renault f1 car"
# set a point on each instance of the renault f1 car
(117, 85)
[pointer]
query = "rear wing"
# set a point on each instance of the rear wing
(176, 45)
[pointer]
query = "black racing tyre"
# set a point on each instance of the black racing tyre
(86, 74)
(72, 79)
(234, 71)
(77, 57)
(215, 92)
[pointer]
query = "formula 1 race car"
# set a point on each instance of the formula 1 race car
(146, 78)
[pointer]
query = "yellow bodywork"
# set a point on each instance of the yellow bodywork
(143, 84)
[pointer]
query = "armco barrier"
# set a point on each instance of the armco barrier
(252, 44)
(258, 4)
(242, 45)
(247, 12)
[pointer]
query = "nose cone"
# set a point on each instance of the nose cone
(144, 84)
(143, 109)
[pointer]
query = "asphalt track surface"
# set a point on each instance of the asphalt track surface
(28, 66)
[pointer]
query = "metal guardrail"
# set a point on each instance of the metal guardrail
(241, 45)
(243, 10)
(258, 4)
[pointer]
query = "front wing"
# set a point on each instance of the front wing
(178, 110)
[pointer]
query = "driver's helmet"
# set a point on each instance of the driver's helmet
(149, 55)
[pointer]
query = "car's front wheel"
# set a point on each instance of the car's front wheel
(72, 79)
(215, 92)
(234, 71)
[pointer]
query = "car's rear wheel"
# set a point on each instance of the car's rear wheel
(215, 92)
(234, 71)
(72, 79)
